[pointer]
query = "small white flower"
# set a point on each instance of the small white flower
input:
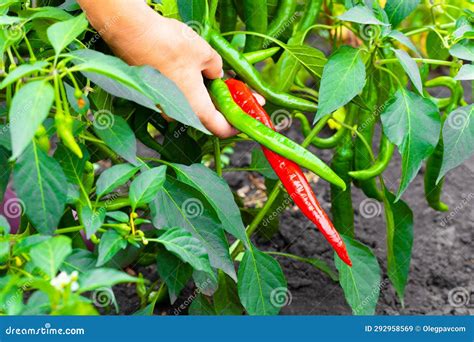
(74, 286)
(74, 276)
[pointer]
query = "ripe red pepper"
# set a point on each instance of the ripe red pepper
(290, 174)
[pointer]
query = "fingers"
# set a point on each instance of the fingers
(201, 103)
(213, 66)
(260, 99)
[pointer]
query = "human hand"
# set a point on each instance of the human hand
(142, 37)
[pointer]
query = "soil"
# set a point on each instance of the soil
(442, 258)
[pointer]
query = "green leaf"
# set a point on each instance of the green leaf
(145, 187)
(361, 282)
(463, 50)
(22, 71)
(403, 116)
(173, 271)
(343, 79)
(179, 205)
(397, 10)
(435, 47)
(401, 38)
(261, 280)
(189, 249)
(45, 205)
(458, 138)
(79, 260)
(5, 137)
(24, 245)
(114, 177)
(30, 107)
(50, 254)
(49, 12)
(217, 193)
(411, 68)
(192, 13)
(226, 298)
(7, 20)
(361, 15)
(71, 164)
(143, 85)
(201, 306)
(63, 33)
(118, 216)
(92, 219)
(399, 218)
(466, 73)
(104, 277)
(260, 164)
(309, 57)
(4, 226)
(110, 244)
(5, 171)
(117, 134)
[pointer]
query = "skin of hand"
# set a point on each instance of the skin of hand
(141, 36)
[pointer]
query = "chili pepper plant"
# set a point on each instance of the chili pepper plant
(96, 185)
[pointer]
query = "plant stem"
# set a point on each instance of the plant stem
(422, 60)
(217, 156)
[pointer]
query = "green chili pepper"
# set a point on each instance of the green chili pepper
(266, 136)
(42, 139)
(380, 164)
(366, 127)
(283, 19)
(433, 190)
(288, 67)
(88, 178)
(251, 76)
(260, 55)
(227, 16)
(324, 143)
(256, 20)
(272, 7)
(341, 200)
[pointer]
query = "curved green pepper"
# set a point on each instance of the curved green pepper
(366, 126)
(227, 16)
(252, 77)
(341, 200)
(260, 55)
(433, 190)
(324, 143)
(266, 136)
(283, 19)
(380, 164)
(256, 20)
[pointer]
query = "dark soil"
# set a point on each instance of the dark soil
(442, 260)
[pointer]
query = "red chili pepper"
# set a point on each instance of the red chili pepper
(290, 174)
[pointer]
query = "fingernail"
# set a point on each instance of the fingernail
(222, 73)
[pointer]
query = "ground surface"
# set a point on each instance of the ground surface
(442, 263)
